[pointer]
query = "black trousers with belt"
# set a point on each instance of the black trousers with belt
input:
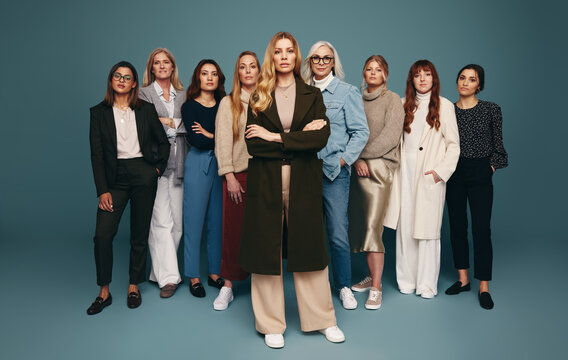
(136, 180)
(471, 182)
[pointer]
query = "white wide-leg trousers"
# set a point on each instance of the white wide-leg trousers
(166, 230)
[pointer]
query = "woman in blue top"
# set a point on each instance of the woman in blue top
(349, 134)
(202, 187)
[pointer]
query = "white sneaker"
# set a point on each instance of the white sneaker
(223, 299)
(347, 298)
(427, 294)
(275, 341)
(333, 334)
(374, 299)
(363, 285)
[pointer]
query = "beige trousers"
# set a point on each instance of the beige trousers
(313, 292)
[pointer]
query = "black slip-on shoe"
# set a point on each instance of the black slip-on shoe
(457, 288)
(134, 299)
(99, 304)
(219, 283)
(197, 290)
(485, 300)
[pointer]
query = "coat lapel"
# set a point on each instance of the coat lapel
(272, 114)
(304, 100)
(425, 133)
(110, 125)
(140, 125)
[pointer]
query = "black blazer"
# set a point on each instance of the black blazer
(102, 137)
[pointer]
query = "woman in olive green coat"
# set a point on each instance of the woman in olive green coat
(286, 127)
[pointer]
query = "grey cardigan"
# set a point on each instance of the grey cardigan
(179, 145)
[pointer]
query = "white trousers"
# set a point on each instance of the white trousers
(417, 261)
(166, 230)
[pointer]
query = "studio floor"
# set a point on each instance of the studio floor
(47, 292)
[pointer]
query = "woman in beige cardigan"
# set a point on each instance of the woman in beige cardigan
(429, 154)
(232, 157)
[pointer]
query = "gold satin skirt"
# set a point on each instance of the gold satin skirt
(368, 201)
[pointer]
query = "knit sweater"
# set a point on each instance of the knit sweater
(385, 117)
(232, 155)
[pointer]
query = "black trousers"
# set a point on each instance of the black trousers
(471, 182)
(136, 180)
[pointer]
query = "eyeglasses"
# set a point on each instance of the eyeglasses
(316, 59)
(117, 76)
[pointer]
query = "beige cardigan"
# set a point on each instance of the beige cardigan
(232, 155)
(441, 151)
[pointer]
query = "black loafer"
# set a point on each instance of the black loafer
(485, 300)
(99, 304)
(134, 299)
(197, 290)
(219, 283)
(457, 288)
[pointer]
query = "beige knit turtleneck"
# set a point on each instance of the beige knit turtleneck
(232, 155)
(385, 117)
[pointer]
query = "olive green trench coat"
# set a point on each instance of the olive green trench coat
(261, 241)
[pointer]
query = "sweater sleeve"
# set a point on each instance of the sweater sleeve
(356, 124)
(499, 158)
(224, 137)
(451, 136)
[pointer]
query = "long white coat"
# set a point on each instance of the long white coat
(440, 152)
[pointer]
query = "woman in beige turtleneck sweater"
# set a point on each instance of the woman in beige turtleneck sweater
(232, 157)
(371, 184)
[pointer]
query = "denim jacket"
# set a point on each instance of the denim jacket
(349, 129)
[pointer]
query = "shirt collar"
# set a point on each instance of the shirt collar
(160, 92)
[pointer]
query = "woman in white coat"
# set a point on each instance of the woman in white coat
(429, 154)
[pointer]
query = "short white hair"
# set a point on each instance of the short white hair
(337, 69)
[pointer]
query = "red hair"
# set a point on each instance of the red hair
(410, 106)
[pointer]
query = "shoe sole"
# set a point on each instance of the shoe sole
(360, 289)
(372, 307)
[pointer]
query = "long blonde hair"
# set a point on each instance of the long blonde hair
(236, 105)
(261, 99)
(149, 76)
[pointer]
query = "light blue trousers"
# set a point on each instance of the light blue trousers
(202, 205)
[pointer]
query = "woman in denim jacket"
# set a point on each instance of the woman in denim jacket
(349, 134)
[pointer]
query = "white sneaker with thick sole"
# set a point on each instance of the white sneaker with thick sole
(347, 298)
(223, 299)
(333, 334)
(374, 299)
(275, 341)
(363, 285)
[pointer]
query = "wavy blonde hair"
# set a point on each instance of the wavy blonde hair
(261, 99)
(236, 104)
(337, 68)
(149, 76)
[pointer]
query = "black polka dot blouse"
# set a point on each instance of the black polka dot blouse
(481, 133)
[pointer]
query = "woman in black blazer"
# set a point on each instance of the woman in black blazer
(122, 133)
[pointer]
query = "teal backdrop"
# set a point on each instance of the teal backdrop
(56, 56)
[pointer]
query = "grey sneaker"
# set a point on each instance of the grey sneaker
(363, 285)
(374, 300)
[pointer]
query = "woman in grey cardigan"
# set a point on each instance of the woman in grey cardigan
(374, 174)
(163, 88)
